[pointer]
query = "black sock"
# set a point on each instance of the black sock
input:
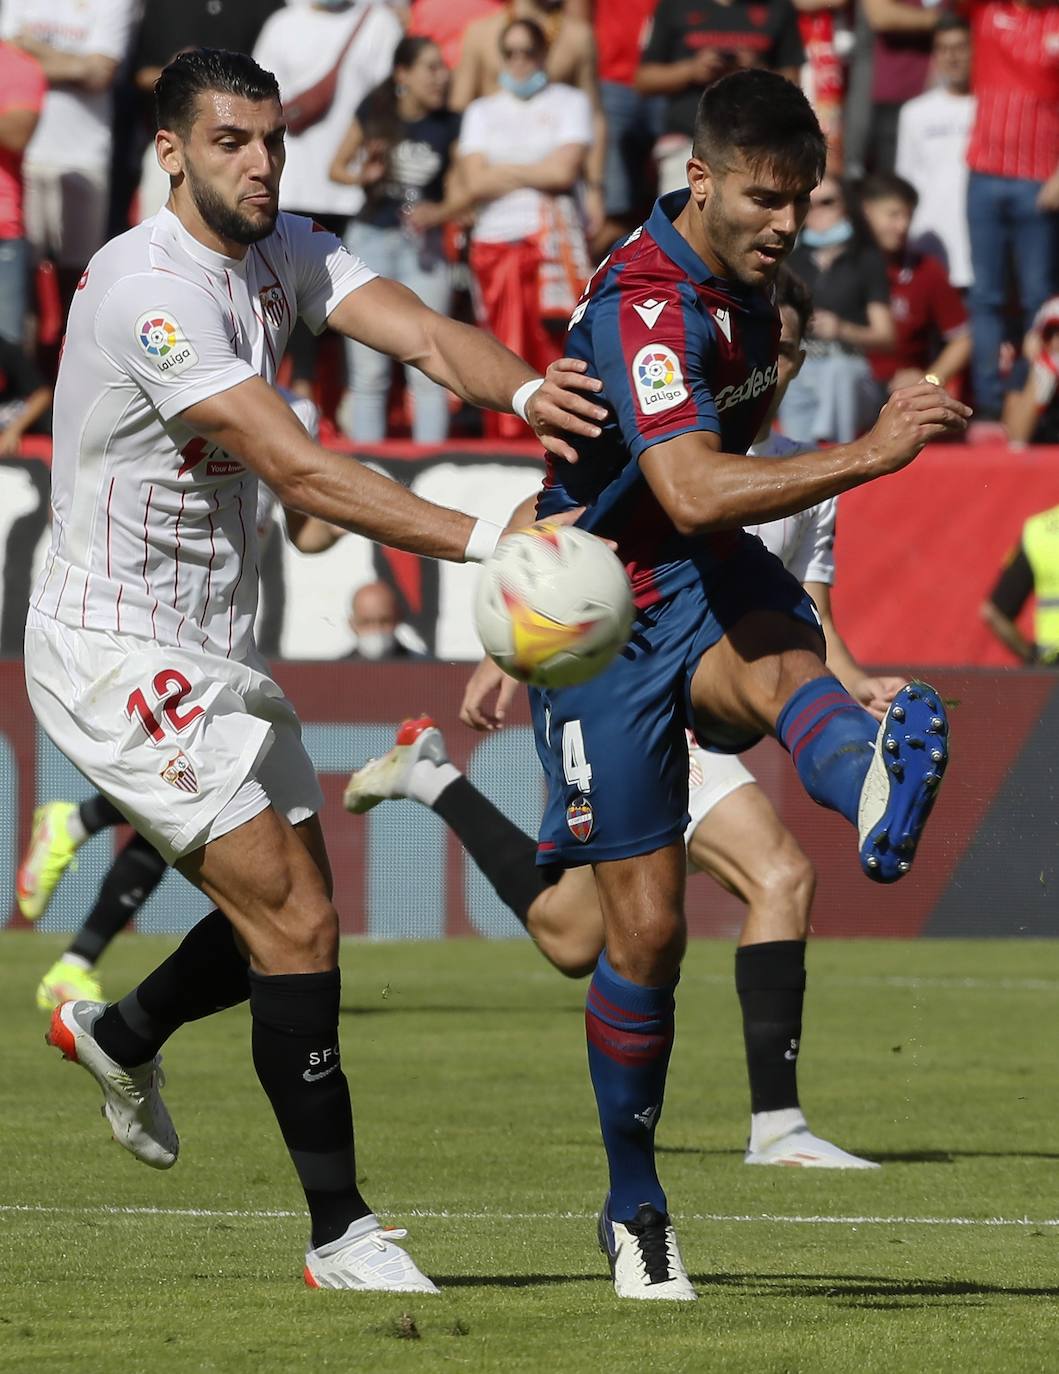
(130, 880)
(204, 974)
(505, 854)
(770, 980)
(296, 1056)
(97, 814)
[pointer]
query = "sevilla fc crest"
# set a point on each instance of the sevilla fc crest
(274, 304)
(580, 819)
(179, 772)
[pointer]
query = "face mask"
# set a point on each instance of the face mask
(522, 90)
(376, 644)
(841, 232)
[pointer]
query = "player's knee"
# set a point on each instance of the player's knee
(572, 959)
(650, 951)
(570, 945)
(304, 936)
(788, 884)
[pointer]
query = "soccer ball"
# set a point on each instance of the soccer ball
(554, 605)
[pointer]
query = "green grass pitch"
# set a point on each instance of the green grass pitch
(466, 1062)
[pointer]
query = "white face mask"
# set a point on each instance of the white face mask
(376, 644)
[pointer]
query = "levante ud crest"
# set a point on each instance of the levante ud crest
(580, 819)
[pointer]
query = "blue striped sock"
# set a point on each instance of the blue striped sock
(630, 1036)
(831, 740)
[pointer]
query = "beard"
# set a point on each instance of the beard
(226, 221)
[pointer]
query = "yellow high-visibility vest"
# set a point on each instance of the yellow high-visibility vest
(1040, 540)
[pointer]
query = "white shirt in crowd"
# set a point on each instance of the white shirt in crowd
(932, 135)
(300, 46)
(154, 529)
(509, 130)
(75, 125)
(804, 542)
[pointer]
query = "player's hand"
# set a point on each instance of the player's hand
(561, 517)
(559, 407)
(475, 709)
(909, 420)
(876, 693)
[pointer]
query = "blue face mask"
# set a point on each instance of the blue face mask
(841, 232)
(523, 90)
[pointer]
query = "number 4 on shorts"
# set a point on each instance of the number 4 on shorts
(576, 766)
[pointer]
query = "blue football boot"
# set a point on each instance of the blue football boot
(901, 786)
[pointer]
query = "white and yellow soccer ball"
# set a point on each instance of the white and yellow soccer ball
(554, 605)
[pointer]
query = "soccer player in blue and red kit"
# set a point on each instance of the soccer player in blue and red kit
(680, 326)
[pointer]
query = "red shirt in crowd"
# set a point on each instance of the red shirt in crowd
(444, 21)
(22, 87)
(926, 308)
(1016, 82)
(619, 30)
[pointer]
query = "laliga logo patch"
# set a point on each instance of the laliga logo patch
(163, 341)
(658, 380)
(179, 772)
(580, 819)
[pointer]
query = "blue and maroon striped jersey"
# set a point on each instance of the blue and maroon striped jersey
(677, 349)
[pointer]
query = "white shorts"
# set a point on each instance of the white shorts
(188, 746)
(66, 211)
(710, 779)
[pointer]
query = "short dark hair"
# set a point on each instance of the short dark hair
(792, 292)
(950, 20)
(537, 35)
(766, 118)
(888, 186)
(192, 73)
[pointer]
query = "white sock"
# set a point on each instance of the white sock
(75, 826)
(77, 961)
(427, 780)
(767, 1126)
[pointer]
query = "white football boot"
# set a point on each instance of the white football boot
(644, 1256)
(787, 1140)
(132, 1102)
(366, 1259)
(387, 777)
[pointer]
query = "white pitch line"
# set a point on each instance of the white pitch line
(908, 981)
(445, 1215)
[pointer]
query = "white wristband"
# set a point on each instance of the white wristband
(483, 540)
(521, 397)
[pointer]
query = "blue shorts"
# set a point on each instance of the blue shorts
(613, 750)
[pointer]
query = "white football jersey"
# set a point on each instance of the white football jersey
(804, 542)
(154, 531)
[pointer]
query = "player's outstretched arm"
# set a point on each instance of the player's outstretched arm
(477, 367)
(251, 422)
(702, 489)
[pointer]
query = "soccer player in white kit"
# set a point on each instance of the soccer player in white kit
(140, 659)
(734, 833)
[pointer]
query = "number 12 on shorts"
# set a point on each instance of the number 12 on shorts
(170, 688)
(576, 767)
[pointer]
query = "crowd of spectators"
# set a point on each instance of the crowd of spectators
(485, 151)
